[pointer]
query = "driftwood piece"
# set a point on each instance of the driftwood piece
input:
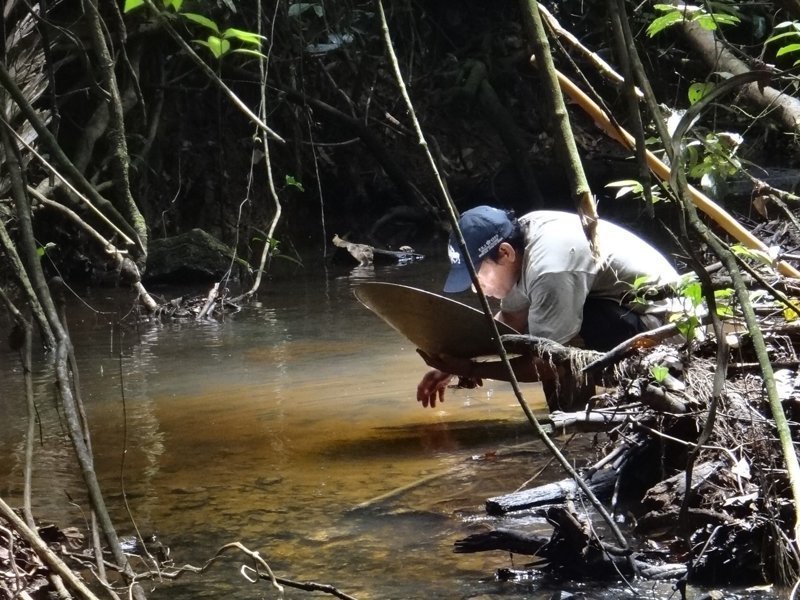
(510, 540)
(671, 491)
(596, 420)
(571, 551)
(367, 255)
(601, 483)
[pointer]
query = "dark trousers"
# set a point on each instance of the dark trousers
(606, 324)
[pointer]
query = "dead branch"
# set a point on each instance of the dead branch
(43, 552)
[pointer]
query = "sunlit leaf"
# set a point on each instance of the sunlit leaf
(626, 186)
(201, 20)
(175, 4)
(42, 250)
(694, 292)
(291, 181)
(755, 254)
(248, 37)
(791, 314)
(217, 46)
(624, 183)
(788, 49)
(724, 293)
(699, 90)
(659, 372)
(249, 52)
(659, 24)
(724, 310)
(780, 36)
(711, 22)
(132, 5)
(687, 326)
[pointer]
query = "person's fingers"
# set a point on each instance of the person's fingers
(423, 391)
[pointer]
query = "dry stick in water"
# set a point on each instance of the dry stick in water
(540, 431)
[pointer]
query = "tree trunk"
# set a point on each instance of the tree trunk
(786, 108)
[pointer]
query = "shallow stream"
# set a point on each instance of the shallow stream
(291, 427)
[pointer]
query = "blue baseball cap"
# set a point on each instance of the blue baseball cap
(484, 228)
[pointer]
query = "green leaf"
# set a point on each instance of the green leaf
(217, 46)
(687, 326)
(291, 181)
(659, 372)
(661, 23)
(694, 292)
(710, 22)
(724, 310)
(753, 253)
(248, 37)
(42, 250)
(255, 53)
(175, 4)
(788, 49)
(201, 20)
(780, 36)
(624, 183)
(132, 5)
(626, 186)
(698, 90)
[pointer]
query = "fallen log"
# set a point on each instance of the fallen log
(671, 491)
(715, 53)
(596, 420)
(510, 540)
(572, 550)
(601, 483)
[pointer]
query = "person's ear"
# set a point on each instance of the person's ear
(506, 252)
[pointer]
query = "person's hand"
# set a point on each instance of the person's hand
(432, 386)
(435, 382)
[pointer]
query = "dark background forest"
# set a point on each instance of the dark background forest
(349, 161)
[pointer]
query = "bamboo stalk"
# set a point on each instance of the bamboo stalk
(718, 214)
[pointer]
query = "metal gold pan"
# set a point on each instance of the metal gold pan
(435, 324)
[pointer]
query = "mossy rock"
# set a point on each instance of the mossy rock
(194, 256)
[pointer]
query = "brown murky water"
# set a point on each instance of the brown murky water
(273, 428)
